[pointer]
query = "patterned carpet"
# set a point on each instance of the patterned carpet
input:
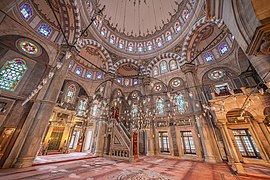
(146, 169)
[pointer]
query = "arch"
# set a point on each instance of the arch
(132, 61)
(160, 57)
(85, 42)
(193, 32)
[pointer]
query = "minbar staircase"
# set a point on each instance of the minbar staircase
(121, 142)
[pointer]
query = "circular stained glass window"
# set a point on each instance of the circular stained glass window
(134, 94)
(176, 83)
(158, 87)
(216, 74)
(29, 47)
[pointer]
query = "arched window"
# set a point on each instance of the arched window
(11, 74)
(160, 105)
(118, 79)
(70, 93)
(78, 70)
(112, 39)
(26, 11)
(185, 14)
(173, 65)
(127, 82)
(130, 46)
(168, 36)
(103, 31)
(223, 48)
(99, 75)
(89, 75)
(180, 102)
(140, 47)
(82, 105)
(149, 46)
(177, 27)
(134, 110)
(121, 44)
(135, 81)
(163, 67)
(207, 56)
(155, 71)
(45, 30)
(159, 42)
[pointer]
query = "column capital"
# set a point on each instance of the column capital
(146, 81)
(108, 77)
(187, 67)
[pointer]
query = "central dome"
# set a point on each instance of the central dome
(139, 29)
(136, 18)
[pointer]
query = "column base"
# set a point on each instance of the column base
(24, 162)
(210, 159)
(239, 168)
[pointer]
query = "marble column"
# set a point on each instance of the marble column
(146, 89)
(101, 125)
(40, 119)
(231, 151)
(206, 135)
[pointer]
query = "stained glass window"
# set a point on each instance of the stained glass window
(26, 11)
(118, 93)
(180, 102)
(112, 39)
(99, 75)
(175, 83)
(208, 57)
(177, 27)
(70, 64)
(81, 107)
(103, 31)
(159, 42)
(163, 67)
(160, 105)
(70, 93)
(135, 81)
(216, 74)
(118, 79)
(78, 70)
(11, 74)
(134, 110)
(168, 35)
(121, 44)
(135, 94)
(140, 47)
(149, 46)
(127, 82)
(223, 48)
(89, 75)
(185, 13)
(45, 30)
(155, 71)
(173, 65)
(130, 47)
(158, 87)
(29, 47)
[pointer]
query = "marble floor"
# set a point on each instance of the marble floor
(146, 168)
